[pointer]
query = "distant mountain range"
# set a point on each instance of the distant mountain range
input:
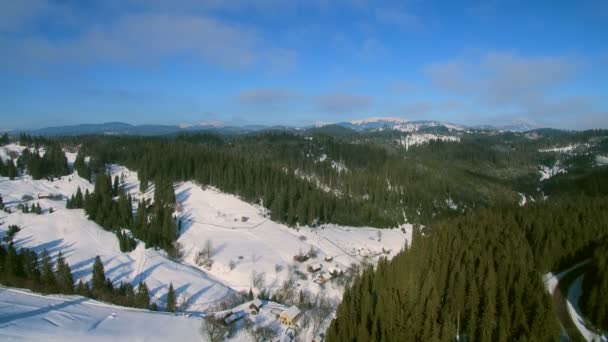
(375, 123)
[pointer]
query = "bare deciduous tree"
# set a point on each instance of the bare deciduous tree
(257, 280)
(214, 329)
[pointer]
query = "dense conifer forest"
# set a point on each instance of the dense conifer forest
(478, 276)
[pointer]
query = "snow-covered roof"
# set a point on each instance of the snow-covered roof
(234, 317)
(257, 302)
(326, 275)
(292, 312)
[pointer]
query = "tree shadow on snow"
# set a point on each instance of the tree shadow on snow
(41, 311)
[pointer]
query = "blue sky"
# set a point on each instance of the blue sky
(300, 62)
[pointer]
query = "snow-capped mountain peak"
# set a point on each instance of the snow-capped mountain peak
(379, 119)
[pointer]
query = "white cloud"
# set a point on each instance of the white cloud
(503, 85)
(342, 103)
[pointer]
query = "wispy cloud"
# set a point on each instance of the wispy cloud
(503, 82)
(342, 103)
(265, 97)
(142, 37)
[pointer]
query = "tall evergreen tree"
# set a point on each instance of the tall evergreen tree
(142, 297)
(98, 280)
(47, 276)
(65, 281)
(171, 300)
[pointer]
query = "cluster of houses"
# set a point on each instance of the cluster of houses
(323, 275)
(287, 317)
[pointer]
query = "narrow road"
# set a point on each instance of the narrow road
(560, 298)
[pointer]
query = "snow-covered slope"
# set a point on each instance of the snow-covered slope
(80, 240)
(246, 244)
(420, 139)
(264, 246)
(548, 172)
(26, 316)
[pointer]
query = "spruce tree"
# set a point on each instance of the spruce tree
(171, 300)
(142, 297)
(98, 280)
(47, 276)
(65, 281)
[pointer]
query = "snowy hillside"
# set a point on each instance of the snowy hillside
(248, 251)
(420, 139)
(80, 240)
(28, 316)
(243, 237)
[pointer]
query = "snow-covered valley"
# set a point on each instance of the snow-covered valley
(247, 251)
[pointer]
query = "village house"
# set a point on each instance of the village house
(255, 306)
(314, 268)
(290, 316)
(234, 317)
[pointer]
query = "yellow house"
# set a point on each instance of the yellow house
(290, 316)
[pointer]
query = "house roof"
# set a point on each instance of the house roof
(292, 312)
(257, 302)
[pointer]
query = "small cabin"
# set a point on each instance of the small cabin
(290, 316)
(329, 258)
(325, 276)
(255, 306)
(314, 268)
(234, 317)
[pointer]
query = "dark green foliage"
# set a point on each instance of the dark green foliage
(10, 233)
(8, 169)
(52, 164)
(171, 300)
(483, 269)
(76, 201)
(81, 167)
(101, 207)
(63, 274)
(1, 200)
(142, 297)
(23, 269)
(594, 298)
(126, 242)
(4, 139)
(98, 280)
(47, 275)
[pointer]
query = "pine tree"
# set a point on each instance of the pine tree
(1, 203)
(98, 280)
(63, 274)
(171, 300)
(47, 276)
(78, 199)
(142, 297)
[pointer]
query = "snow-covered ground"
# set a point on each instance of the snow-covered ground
(244, 241)
(561, 149)
(548, 172)
(601, 160)
(26, 316)
(419, 139)
(244, 238)
(80, 240)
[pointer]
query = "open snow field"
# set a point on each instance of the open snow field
(26, 316)
(80, 240)
(267, 247)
